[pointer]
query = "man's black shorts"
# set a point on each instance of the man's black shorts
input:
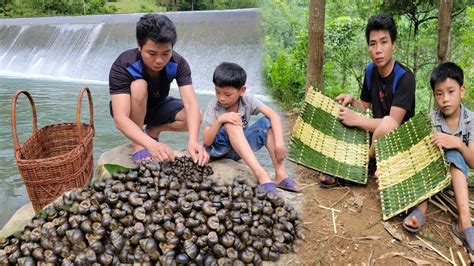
(163, 112)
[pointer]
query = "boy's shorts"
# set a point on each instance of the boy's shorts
(256, 135)
(161, 113)
(454, 157)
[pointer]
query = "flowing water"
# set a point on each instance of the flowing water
(55, 57)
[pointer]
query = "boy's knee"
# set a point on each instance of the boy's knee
(456, 161)
(139, 90)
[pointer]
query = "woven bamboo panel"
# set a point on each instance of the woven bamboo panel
(411, 168)
(321, 142)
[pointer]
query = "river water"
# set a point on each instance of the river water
(54, 57)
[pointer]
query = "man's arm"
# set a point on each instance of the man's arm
(193, 114)
(193, 120)
(350, 118)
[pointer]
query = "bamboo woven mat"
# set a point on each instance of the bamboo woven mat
(321, 142)
(411, 168)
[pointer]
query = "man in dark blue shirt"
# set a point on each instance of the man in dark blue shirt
(139, 82)
(389, 88)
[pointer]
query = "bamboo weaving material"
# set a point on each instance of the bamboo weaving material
(411, 168)
(470, 180)
(321, 142)
(55, 158)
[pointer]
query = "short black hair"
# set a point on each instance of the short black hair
(156, 27)
(381, 22)
(229, 75)
(444, 71)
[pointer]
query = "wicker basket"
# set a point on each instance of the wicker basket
(321, 142)
(412, 168)
(55, 158)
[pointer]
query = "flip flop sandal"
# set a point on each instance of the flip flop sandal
(326, 182)
(466, 237)
(138, 156)
(469, 240)
(419, 216)
(266, 188)
(456, 233)
(288, 184)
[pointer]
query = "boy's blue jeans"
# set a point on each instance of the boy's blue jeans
(256, 135)
(454, 157)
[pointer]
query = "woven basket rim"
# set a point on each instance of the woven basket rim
(87, 139)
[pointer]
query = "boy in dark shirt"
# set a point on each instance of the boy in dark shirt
(139, 83)
(389, 88)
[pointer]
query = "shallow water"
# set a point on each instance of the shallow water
(55, 103)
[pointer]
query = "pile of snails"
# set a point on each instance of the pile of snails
(159, 213)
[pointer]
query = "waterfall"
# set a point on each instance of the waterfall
(84, 47)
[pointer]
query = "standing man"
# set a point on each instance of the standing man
(139, 82)
(389, 88)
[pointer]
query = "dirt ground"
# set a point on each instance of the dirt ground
(359, 236)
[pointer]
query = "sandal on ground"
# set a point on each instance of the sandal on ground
(456, 233)
(328, 182)
(469, 241)
(140, 155)
(266, 188)
(466, 237)
(419, 216)
(288, 184)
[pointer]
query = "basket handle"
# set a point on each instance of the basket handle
(16, 142)
(78, 113)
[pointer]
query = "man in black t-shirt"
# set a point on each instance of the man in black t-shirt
(389, 88)
(139, 82)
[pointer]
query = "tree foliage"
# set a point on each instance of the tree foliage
(345, 51)
(35, 8)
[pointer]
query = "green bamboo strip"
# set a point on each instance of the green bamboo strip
(302, 154)
(354, 154)
(327, 124)
(412, 169)
(410, 133)
(320, 141)
(405, 164)
(413, 191)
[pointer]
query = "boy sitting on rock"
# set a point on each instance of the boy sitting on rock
(227, 133)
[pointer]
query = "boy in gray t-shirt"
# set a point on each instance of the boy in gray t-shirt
(227, 133)
(454, 125)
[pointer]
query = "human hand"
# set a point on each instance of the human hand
(348, 117)
(161, 152)
(345, 99)
(198, 153)
(446, 141)
(232, 118)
